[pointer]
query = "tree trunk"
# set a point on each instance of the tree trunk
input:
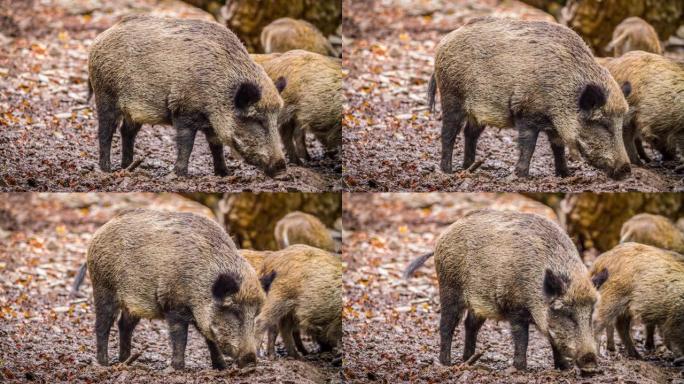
(595, 20)
(594, 220)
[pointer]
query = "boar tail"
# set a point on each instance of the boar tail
(90, 91)
(80, 276)
(432, 90)
(417, 263)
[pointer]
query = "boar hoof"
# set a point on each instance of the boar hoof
(221, 172)
(178, 365)
(522, 172)
(679, 362)
(563, 172)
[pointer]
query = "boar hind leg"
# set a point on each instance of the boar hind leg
(108, 118)
(520, 329)
(217, 361)
(452, 309)
(129, 130)
(471, 134)
(472, 327)
(558, 149)
(623, 325)
(178, 330)
(217, 154)
(106, 310)
(527, 141)
(186, 129)
(127, 323)
(452, 122)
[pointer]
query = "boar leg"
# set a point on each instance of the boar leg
(623, 324)
(629, 137)
(640, 150)
(452, 310)
(107, 117)
(186, 129)
(520, 329)
(270, 342)
(452, 122)
(127, 323)
(558, 149)
(297, 336)
(220, 168)
(106, 310)
(527, 141)
(287, 327)
(471, 133)
(287, 131)
(217, 361)
(129, 130)
(178, 330)
(650, 337)
(300, 144)
(610, 335)
(472, 327)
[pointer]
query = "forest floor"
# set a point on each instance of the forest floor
(392, 142)
(47, 337)
(391, 324)
(48, 131)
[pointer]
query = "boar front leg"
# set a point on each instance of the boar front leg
(300, 144)
(217, 361)
(527, 141)
(287, 328)
(610, 336)
(640, 150)
(650, 337)
(629, 137)
(178, 330)
(129, 130)
(558, 149)
(186, 129)
(107, 117)
(220, 168)
(472, 327)
(520, 329)
(471, 134)
(127, 323)
(297, 336)
(623, 325)
(287, 132)
(452, 122)
(452, 309)
(106, 310)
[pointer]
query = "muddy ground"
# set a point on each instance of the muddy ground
(391, 141)
(48, 131)
(46, 337)
(391, 324)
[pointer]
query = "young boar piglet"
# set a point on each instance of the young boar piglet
(303, 228)
(288, 34)
(518, 267)
(305, 295)
(655, 230)
(313, 100)
(643, 282)
(656, 103)
(634, 34)
(180, 267)
(193, 74)
(534, 76)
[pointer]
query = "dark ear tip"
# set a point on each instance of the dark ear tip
(247, 94)
(225, 284)
(280, 84)
(267, 280)
(600, 278)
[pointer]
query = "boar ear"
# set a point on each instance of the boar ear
(280, 84)
(600, 278)
(626, 88)
(593, 96)
(247, 94)
(226, 284)
(554, 285)
(267, 280)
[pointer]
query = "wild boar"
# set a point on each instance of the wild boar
(655, 230)
(643, 282)
(302, 228)
(656, 105)
(489, 73)
(313, 100)
(288, 34)
(193, 74)
(517, 267)
(305, 295)
(180, 267)
(634, 34)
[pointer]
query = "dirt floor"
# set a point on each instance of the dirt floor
(47, 337)
(391, 324)
(48, 131)
(391, 141)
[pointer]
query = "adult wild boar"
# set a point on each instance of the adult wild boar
(634, 34)
(656, 103)
(643, 282)
(313, 100)
(180, 267)
(303, 228)
(517, 267)
(287, 34)
(534, 76)
(193, 74)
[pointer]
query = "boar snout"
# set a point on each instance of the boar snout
(275, 167)
(620, 172)
(246, 359)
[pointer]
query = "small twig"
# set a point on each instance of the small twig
(134, 357)
(474, 358)
(135, 164)
(475, 166)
